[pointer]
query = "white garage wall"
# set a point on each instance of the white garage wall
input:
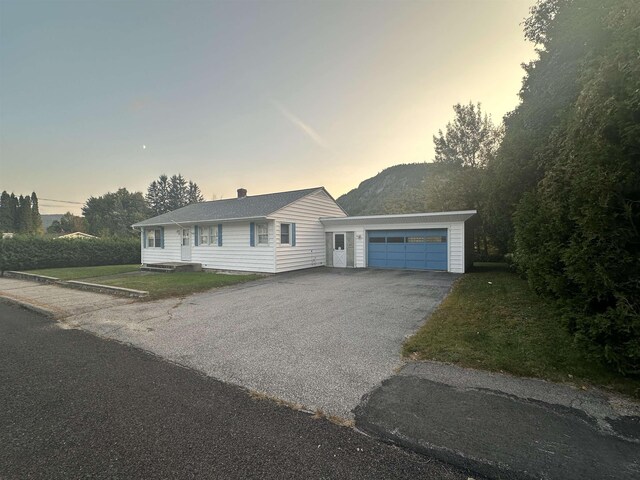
(455, 241)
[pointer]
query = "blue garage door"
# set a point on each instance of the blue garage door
(410, 249)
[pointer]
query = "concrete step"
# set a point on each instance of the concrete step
(157, 269)
(172, 267)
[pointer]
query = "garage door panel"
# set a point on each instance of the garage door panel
(416, 257)
(411, 249)
(432, 265)
(416, 248)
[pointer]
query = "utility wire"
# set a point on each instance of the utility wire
(61, 201)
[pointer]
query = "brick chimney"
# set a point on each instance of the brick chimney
(242, 192)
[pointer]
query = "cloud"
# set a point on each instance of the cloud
(302, 126)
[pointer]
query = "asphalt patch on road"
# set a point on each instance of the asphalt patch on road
(496, 435)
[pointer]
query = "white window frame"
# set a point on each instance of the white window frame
(265, 233)
(154, 238)
(288, 242)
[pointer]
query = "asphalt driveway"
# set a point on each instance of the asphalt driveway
(320, 338)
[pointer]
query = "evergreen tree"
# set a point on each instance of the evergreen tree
(24, 223)
(6, 214)
(36, 219)
(568, 172)
(13, 211)
(177, 192)
(193, 194)
(167, 194)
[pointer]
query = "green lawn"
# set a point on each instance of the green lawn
(78, 273)
(159, 285)
(492, 320)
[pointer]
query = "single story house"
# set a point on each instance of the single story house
(280, 232)
(77, 235)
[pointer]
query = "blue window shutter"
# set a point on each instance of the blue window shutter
(196, 240)
(144, 238)
(252, 234)
(219, 234)
(161, 237)
(293, 234)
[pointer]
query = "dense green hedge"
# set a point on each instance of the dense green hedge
(27, 252)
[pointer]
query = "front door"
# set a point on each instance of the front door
(339, 252)
(185, 251)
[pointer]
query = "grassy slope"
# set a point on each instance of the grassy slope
(493, 321)
(77, 273)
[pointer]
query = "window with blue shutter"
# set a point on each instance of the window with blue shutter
(144, 238)
(293, 234)
(219, 234)
(161, 237)
(196, 240)
(252, 234)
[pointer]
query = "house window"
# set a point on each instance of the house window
(263, 233)
(285, 233)
(204, 235)
(213, 235)
(154, 238)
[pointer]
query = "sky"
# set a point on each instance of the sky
(269, 95)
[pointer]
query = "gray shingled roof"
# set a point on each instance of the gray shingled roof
(256, 206)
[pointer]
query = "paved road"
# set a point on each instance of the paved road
(321, 338)
(74, 405)
(506, 427)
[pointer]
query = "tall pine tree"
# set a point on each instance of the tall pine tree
(36, 219)
(6, 213)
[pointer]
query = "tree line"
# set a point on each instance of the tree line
(108, 215)
(557, 185)
(20, 214)
(113, 213)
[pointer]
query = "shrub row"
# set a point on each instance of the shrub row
(28, 252)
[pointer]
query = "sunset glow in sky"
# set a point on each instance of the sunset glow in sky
(270, 96)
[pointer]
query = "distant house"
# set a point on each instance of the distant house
(284, 231)
(8, 235)
(77, 235)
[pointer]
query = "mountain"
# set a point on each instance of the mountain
(49, 218)
(376, 195)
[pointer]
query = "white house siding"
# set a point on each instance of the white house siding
(468, 245)
(455, 239)
(171, 250)
(236, 253)
(309, 250)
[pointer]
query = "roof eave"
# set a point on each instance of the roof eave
(197, 222)
(463, 215)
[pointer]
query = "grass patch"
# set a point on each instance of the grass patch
(159, 285)
(491, 320)
(78, 273)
